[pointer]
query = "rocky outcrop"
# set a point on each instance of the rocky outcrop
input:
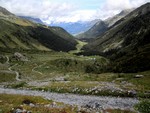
(20, 57)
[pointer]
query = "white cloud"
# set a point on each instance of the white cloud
(80, 15)
(68, 10)
(112, 7)
(43, 9)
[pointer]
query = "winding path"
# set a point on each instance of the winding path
(7, 61)
(10, 69)
(38, 66)
(80, 100)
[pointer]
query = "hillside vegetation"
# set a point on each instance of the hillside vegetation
(127, 43)
(101, 27)
(39, 59)
(23, 34)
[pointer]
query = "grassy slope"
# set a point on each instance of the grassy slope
(63, 72)
(78, 46)
(38, 37)
(123, 29)
(23, 34)
(15, 36)
(98, 29)
(127, 42)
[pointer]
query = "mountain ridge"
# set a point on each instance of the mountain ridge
(126, 41)
(75, 27)
(102, 26)
(5, 11)
(16, 32)
(35, 20)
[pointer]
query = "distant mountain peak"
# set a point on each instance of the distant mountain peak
(101, 26)
(76, 27)
(126, 11)
(112, 20)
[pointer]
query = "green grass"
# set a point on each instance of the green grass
(78, 47)
(7, 77)
(19, 85)
(7, 102)
(119, 111)
(143, 106)
(82, 87)
(3, 66)
(54, 64)
(141, 84)
(66, 72)
(31, 36)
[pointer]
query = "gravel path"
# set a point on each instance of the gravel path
(7, 62)
(16, 72)
(38, 66)
(10, 69)
(80, 100)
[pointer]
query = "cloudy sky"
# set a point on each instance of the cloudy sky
(69, 10)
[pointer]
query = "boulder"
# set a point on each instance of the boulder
(139, 76)
(20, 110)
(20, 57)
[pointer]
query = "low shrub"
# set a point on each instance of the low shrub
(143, 106)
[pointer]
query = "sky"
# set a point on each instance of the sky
(69, 10)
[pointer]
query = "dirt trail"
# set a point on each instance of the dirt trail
(38, 66)
(10, 69)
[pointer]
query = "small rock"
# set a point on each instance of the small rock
(42, 90)
(132, 93)
(21, 105)
(18, 111)
(24, 111)
(31, 105)
(29, 112)
(12, 108)
(139, 76)
(53, 104)
(27, 102)
(48, 105)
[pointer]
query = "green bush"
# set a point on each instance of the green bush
(19, 85)
(143, 107)
(2, 59)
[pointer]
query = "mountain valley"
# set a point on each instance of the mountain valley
(106, 69)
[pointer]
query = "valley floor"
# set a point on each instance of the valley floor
(63, 77)
(94, 103)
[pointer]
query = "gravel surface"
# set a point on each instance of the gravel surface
(94, 102)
